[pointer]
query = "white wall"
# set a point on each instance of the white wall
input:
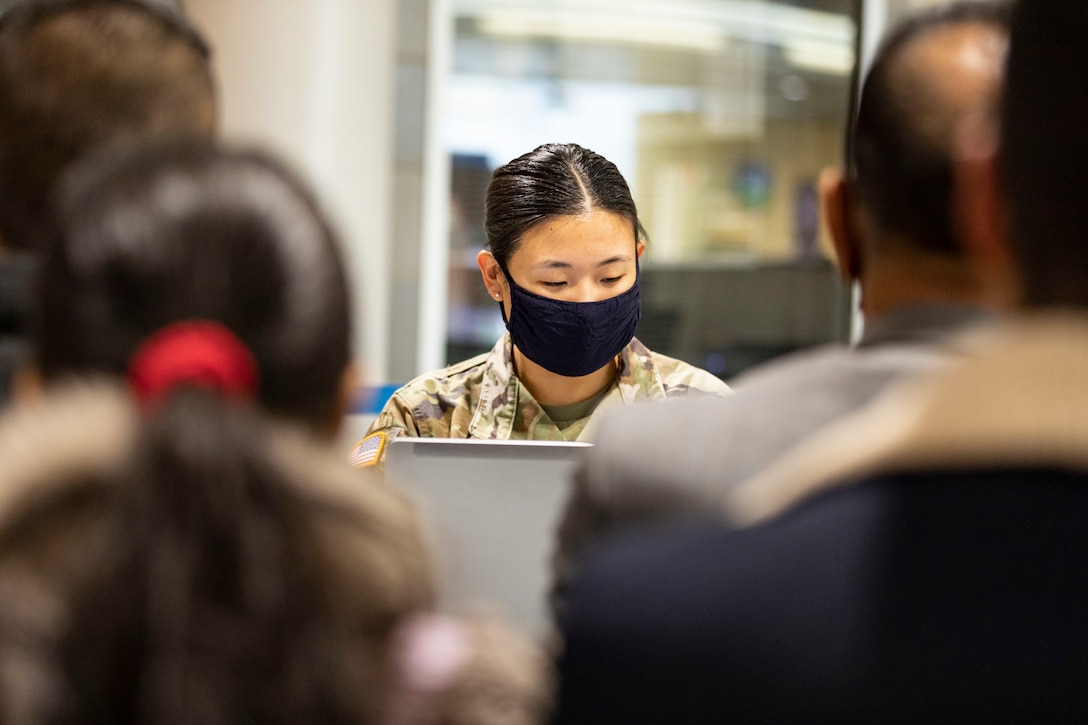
(312, 81)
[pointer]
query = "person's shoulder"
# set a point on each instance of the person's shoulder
(835, 366)
(674, 611)
(682, 566)
(458, 378)
(788, 365)
(680, 377)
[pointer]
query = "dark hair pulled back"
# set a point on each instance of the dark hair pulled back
(552, 180)
(148, 236)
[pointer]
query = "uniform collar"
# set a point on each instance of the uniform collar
(502, 394)
(638, 378)
(929, 324)
(499, 394)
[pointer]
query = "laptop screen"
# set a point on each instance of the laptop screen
(493, 507)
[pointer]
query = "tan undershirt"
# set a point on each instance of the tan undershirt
(565, 415)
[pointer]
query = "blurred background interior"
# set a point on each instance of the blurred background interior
(720, 114)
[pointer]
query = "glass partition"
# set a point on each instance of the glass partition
(720, 114)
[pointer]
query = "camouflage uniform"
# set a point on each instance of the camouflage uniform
(482, 398)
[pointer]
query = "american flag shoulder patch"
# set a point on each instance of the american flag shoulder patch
(368, 451)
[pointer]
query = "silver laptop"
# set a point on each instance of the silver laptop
(494, 507)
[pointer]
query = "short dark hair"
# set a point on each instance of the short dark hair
(75, 74)
(144, 236)
(901, 170)
(552, 180)
(1044, 129)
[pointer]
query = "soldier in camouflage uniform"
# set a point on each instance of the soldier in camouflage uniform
(562, 219)
(482, 398)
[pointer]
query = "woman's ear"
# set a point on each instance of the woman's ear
(494, 280)
(640, 248)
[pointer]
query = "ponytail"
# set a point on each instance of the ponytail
(236, 571)
(215, 605)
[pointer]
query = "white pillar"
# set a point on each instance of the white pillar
(435, 244)
(312, 82)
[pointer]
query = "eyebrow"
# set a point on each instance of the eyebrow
(557, 264)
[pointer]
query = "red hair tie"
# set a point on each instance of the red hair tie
(197, 352)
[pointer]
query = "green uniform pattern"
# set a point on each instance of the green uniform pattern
(482, 398)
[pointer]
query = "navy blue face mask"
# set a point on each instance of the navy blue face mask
(571, 338)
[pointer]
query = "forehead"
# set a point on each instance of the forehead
(583, 237)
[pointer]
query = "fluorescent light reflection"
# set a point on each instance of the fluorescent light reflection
(811, 39)
(597, 26)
